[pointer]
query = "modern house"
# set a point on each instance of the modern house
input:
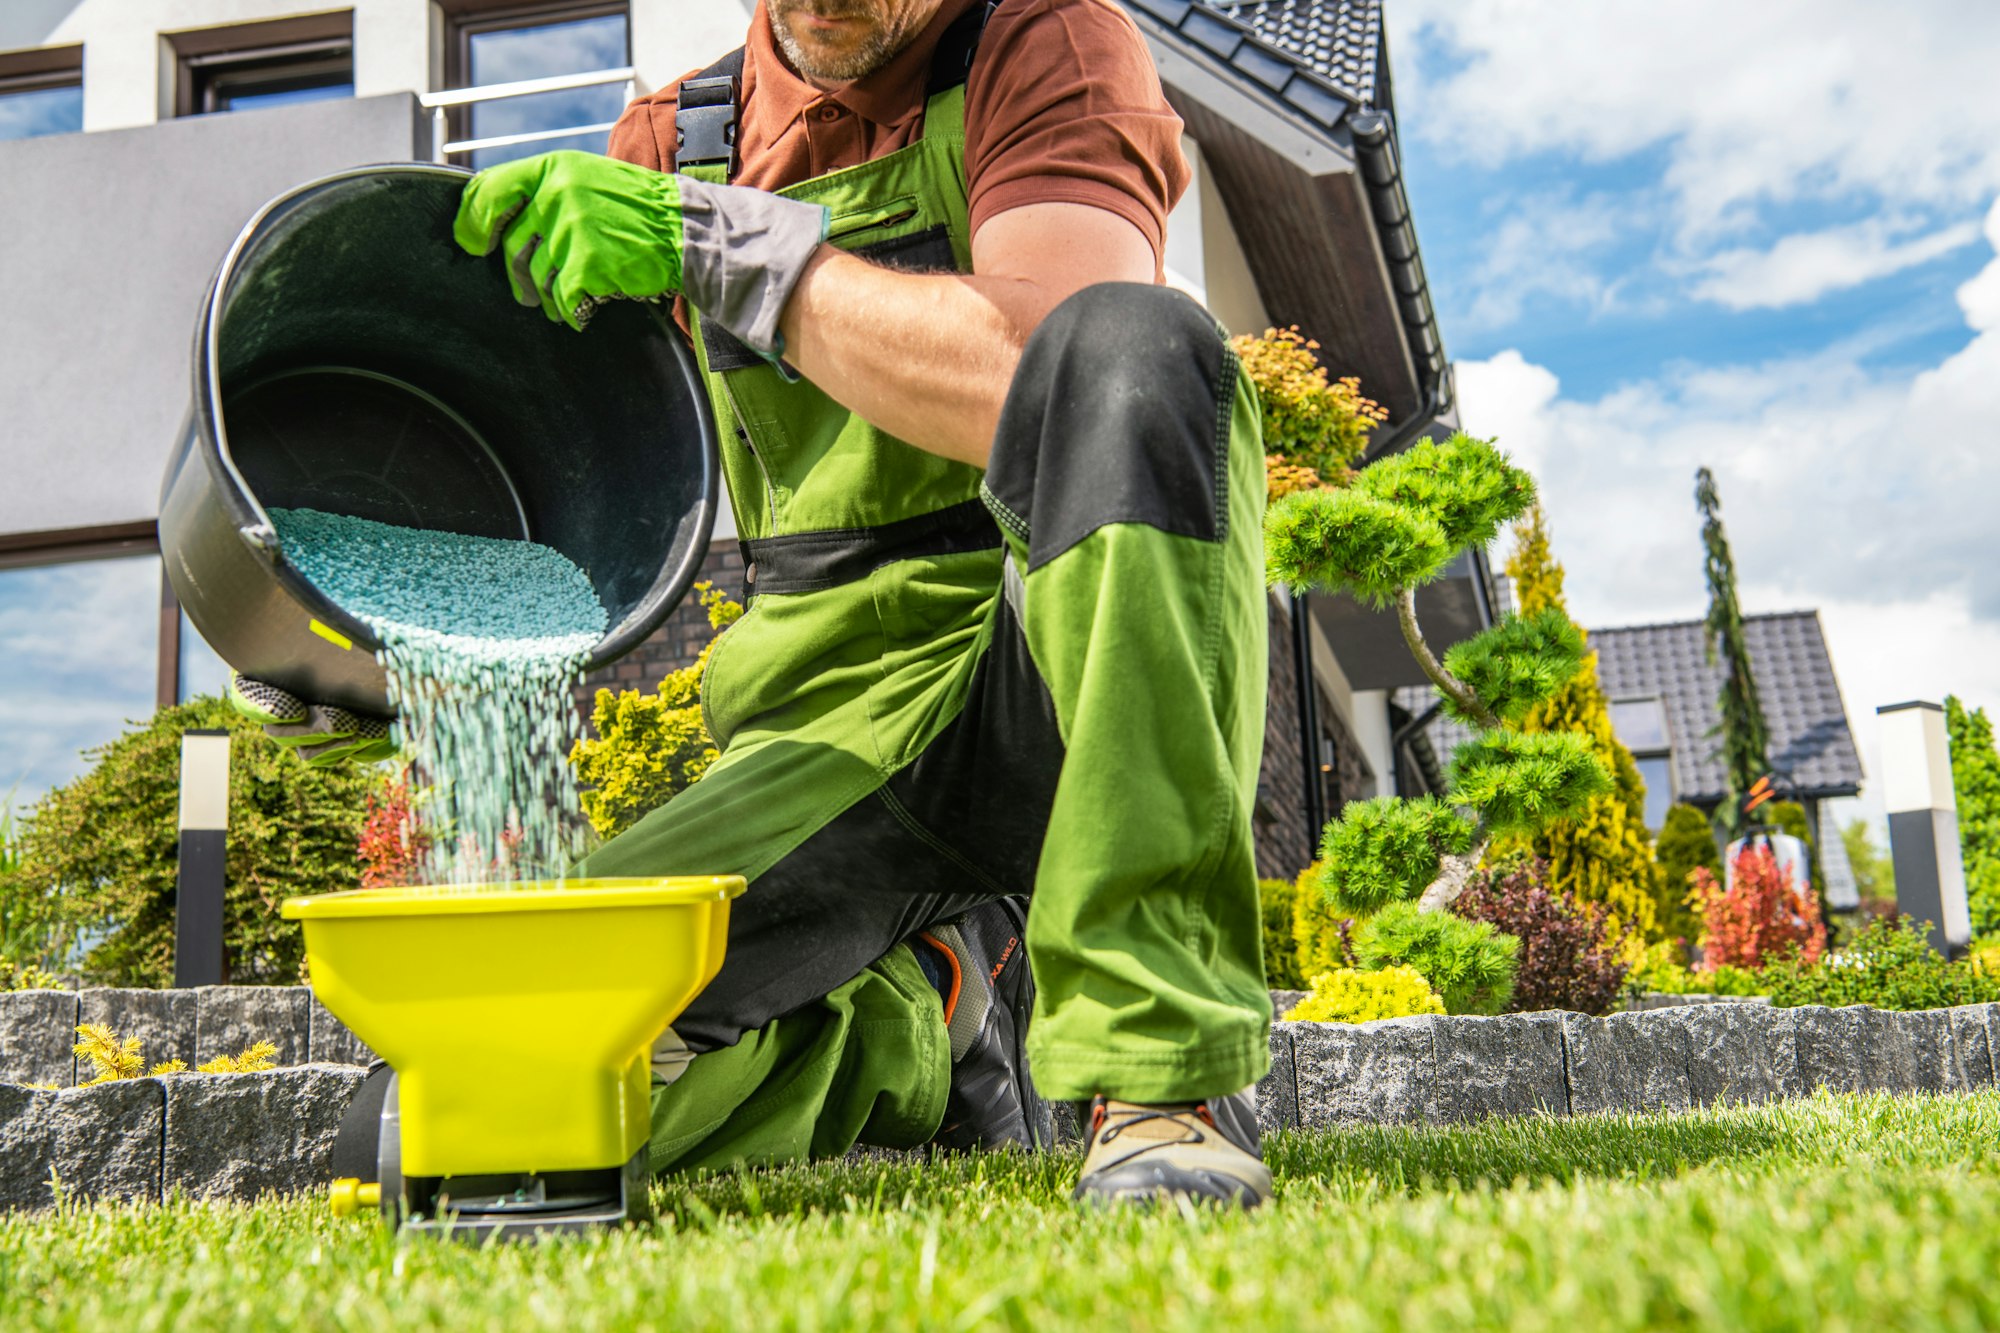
(136, 137)
(1662, 690)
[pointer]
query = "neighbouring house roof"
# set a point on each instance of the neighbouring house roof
(1812, 750)
(1290, 100)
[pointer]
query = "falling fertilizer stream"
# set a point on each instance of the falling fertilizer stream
(483, 640)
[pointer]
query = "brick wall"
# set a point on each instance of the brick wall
(1280, 819)
(676, 643)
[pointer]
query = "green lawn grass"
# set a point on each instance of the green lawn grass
(1869, 1212)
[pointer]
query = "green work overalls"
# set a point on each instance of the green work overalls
(882, 577)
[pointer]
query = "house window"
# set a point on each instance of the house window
(1641, 726)
(255, 65)
(41, 92)
(494, 47)
(200, 670)
(81, 662)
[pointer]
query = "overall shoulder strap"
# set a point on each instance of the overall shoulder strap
(951, 63)
(705, 116)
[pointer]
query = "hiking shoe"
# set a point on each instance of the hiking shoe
(1203, 1151)
(980, 966)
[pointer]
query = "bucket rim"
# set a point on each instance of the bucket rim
(253, 522)
(532, 896)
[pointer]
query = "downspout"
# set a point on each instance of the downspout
(1401, 737)
(1302, 669)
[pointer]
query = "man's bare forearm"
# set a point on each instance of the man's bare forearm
(925, 357)
(928, 357)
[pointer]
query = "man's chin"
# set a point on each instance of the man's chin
(857, 53)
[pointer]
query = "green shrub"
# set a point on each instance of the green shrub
(648, 747)
(1975, 781)
(1687, 843)
(1281, 955)
(1348, 995)
(1664, 970)
(1890, 965)
(1469, 963)
(99, 855)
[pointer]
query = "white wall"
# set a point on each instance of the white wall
(1204, 258)
(128, 67)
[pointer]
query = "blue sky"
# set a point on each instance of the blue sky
(1756, 237)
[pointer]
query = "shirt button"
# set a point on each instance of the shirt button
(828, 113)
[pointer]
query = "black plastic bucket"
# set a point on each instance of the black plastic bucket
(351, 358)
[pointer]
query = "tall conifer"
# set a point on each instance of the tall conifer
(1605, 854)
(1975, 782)
(1745, 739)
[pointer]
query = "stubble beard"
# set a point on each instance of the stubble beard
(883, 36)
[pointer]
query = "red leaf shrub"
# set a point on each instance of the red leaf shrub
(394, 841)
(1759, 919)
(1569, 953)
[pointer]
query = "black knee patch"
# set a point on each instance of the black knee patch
(1118, 413)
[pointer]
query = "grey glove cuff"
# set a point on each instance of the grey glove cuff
(742, 252)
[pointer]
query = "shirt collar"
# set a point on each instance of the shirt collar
(891, 96)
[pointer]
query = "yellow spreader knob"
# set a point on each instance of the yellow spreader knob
(348, 1196)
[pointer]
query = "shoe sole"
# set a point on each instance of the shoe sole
(1035, 1112)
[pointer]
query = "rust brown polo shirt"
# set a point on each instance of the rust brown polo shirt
(1062, 105)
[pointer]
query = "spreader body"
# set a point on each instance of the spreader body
(518, 1018)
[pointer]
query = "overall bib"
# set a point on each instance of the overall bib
(1044, 679)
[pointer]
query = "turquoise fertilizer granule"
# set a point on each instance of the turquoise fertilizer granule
(483, 640)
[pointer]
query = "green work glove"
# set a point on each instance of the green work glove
(321, 734)
(579, 229)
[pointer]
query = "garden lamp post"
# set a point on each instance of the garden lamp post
(1923, 822)
(204, 839)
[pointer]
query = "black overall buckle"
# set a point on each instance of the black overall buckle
(705, 124)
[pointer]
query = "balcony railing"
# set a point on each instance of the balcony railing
(443, 147)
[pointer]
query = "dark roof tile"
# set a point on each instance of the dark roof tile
(1812, 749)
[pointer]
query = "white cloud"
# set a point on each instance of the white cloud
(1805, 266)
(1869, 497)
(1772, 102)
(1543, 246)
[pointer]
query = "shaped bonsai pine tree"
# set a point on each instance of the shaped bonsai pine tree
(1393, 863)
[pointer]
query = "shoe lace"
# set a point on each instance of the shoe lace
(1107, 1124)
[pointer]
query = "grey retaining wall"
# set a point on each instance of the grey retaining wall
(38, 1027)
(229, 1136)
(236, 1135)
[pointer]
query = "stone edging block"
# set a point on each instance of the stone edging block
(37, 1030)
(162, 1020)
(210, 1135)
(229, 1018)
(238, 1136)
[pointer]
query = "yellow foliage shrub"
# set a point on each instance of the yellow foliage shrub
(1348, 995)
(113, 1058)
(252, 1059)
(1313, 427)
(1316, 926)
(648, 747)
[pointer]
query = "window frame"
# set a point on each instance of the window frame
(111, 541)
(43, 69)
(469, 18)
(206, 58)
(1662, 752)
(465, 24)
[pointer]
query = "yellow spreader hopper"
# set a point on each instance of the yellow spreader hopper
(518, 1019)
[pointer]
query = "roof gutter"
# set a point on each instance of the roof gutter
(1373, 133)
